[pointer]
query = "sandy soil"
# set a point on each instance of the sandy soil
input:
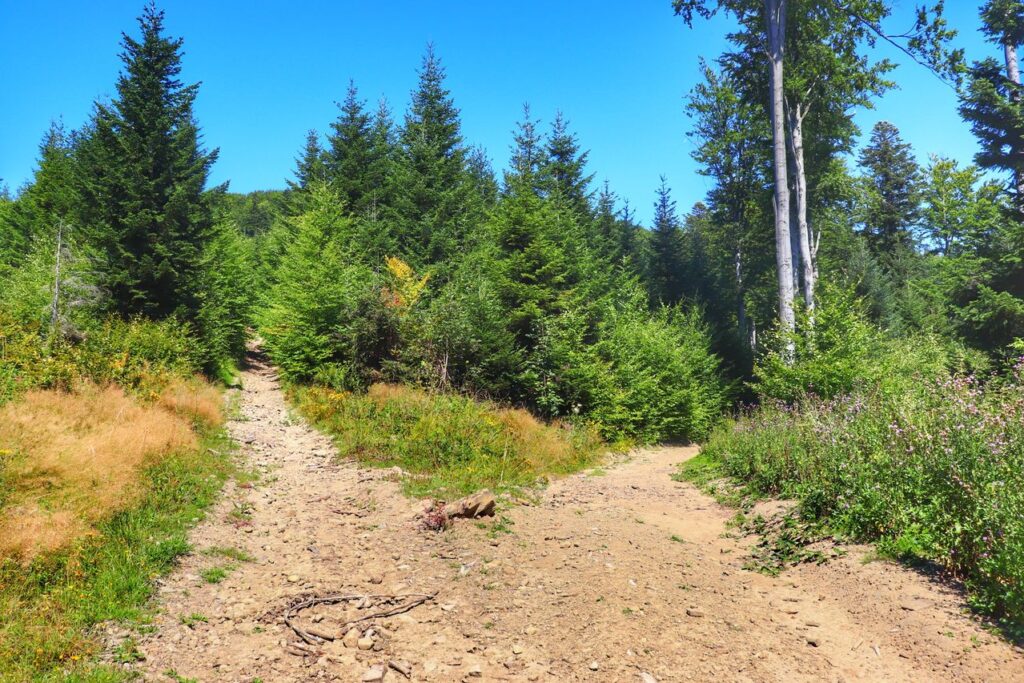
(619, 574)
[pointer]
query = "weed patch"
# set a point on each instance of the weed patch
(449, 445)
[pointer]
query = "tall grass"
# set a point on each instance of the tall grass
(935, 472)
(132, 479)
(449, 444)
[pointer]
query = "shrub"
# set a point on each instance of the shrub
(139, 355)
(842, 352)
(645, 376)
(449, 444)
(935, 472)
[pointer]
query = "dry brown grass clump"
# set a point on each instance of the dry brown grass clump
(72, 459)
(194, 400)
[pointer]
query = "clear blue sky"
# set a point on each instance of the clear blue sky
(272, 70)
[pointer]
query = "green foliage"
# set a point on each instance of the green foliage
(144, 175)
(325, 317)
(648, 377)
(933, 470)
(139, 355)
(843, 352)
(448, 445)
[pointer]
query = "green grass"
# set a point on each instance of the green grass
(48, 608)
(216, 574)
(448, 445)
(236, 554)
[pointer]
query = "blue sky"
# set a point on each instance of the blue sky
(272, 70)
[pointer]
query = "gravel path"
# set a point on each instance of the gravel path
(614, 575)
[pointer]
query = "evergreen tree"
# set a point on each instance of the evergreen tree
(891, 202)
(380, 170)
(992, 102)
(527, 152)
(310, 166)
(49, 199)
(564, 169)
(350, 152)
(667, 250)
(143, 179)
(433, 189)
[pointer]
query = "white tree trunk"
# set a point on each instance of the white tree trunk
(775, 19)
(1013, 73)
(808, 251)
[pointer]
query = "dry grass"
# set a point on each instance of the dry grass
(73, 459)
(450, 444)
(195, 400)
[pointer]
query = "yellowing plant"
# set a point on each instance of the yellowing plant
(406, 288)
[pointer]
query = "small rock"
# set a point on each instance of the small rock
(594, 666)
(448, 607)
(373, 674)
(292, 578)
(647, 678)
(476, 671)
(351, 638)
(365, 643)
(693, 612)
(517, 649)
(813, 641)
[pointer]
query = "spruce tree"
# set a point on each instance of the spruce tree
(144, 174)
(564, 169)
(667, 250)
(350, 152)
(310, 165)
(892, 189)
(433, 192)
(527, 151)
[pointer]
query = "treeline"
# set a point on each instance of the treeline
(399, 255)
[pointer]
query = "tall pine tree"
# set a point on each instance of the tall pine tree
(144, 175)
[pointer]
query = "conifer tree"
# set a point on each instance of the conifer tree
(892, 188)
(433, 192)
(350, 152)
(527, 152)
(564, 169)
(310, 165)
(144, 174)
(667, 250)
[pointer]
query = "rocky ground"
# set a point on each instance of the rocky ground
(619, 574)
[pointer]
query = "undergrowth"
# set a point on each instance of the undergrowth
(933, 473)
(447, 444)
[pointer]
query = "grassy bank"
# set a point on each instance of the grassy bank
(933, 473)
(449, 444)
(112, 485)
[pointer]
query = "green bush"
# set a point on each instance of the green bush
(140, 355)
(935, 471)
(646, 376)
(841, 352)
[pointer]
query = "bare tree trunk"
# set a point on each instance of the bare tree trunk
(1013, 73)
(775, 19)
(808, 250)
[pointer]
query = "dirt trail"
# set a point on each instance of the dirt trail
(616, 575)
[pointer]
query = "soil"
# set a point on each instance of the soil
(617, 574)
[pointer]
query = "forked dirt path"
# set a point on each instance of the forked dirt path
(616, 575)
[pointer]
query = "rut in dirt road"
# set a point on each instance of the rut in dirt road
(616, 575)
